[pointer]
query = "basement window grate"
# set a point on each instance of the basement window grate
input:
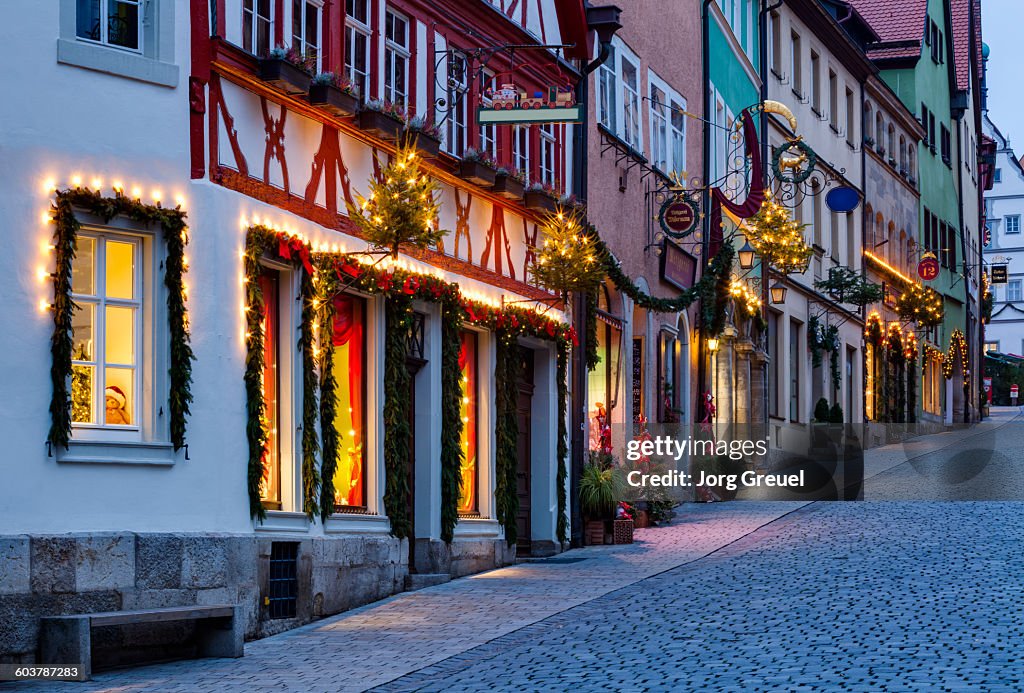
(284, 579)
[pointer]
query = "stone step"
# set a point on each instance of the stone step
(418, 581)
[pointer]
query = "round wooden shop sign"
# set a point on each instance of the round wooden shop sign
(678, 217)
(928, 268)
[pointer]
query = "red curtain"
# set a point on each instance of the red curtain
(347, 328)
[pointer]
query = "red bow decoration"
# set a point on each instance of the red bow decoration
(550, 328)
(287, 245)
(410, 286)
(349, 269)
(385, 283)
(573, 336)
(514, 320)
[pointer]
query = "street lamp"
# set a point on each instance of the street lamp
(778, 291)
(712, 344)
(746, 255)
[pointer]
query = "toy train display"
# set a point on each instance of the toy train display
(510, 97)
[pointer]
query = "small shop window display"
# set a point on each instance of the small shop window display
(117, 406)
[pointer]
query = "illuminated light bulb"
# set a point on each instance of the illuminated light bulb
(49, 185)
(137, 192)
(179, 200)
(44, 305)
(76, 181)
(97, 183)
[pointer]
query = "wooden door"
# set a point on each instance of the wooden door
(524, 457)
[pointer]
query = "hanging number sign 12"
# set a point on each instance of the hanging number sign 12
(928, 267)
(678, 216)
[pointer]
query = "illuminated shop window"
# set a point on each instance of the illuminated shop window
(469, 501)
(270, 286)
(106, 286)
(603, 381)
(348, 335)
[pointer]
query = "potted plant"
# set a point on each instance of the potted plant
(540, 197)
(286, 69)
(598, 486)
(510, 184)
(334, 94)
(422, 134)
(382, 118)
(477, 167)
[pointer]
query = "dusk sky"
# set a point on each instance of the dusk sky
(1001, 22)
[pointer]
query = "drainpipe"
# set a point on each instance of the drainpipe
(705, 64)
(965, 271)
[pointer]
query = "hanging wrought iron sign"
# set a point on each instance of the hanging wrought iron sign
(794, 161)
(678, 216)
(928, 267)
(1000, 275)
(511, 104)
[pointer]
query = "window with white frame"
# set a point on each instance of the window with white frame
(106, 284)
(630, 74)
(521, 149)
(1013, 290)
(1013, 223)
(306, 29)
(458, 103)
(677, 135)
(659, 129)
(548, 151)
(396, 59)
(488, 133)
(607, 109)
(357, 45)
(115, 23)
(256, 20)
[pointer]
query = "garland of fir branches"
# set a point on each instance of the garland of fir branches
(452, 455)
(563, 446)
(398, 434)
(65, 237)
(260, 241)
(328, 411)
(506, 434)
(712, 289)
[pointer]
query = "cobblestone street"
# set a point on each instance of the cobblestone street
(913, 593)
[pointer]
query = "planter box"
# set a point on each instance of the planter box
(333, 100)
(593, 533)
(508, 187)
(380, 124)
(539, 201)
(623, 531)
(478, 173)
(284, 75)
(428, 146)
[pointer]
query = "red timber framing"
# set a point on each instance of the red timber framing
(465, 25)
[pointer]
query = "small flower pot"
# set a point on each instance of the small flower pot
(286, 76)
(593, 533)
(333, 100)
(539, 201)
(477, 172)
(380, 124)
(507, 186)
(428, 145)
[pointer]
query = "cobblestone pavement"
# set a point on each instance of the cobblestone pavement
(906, 595)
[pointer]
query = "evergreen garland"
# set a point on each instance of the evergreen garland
(562, 453)
(824, 339)
(328, 411)
(452, 454)
(65, 236)
(310, 444)
(398, 434)
(506, 434)
(712, 289)
(592, 357)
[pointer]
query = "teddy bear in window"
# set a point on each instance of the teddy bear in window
(117, 403)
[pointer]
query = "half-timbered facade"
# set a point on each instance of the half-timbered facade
(169, 104)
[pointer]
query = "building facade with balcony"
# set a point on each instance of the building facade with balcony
(236, 501)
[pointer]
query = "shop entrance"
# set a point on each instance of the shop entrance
(414, 362)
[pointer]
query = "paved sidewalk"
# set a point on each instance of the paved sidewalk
(380, 642)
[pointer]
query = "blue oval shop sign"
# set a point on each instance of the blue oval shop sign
(842, 199)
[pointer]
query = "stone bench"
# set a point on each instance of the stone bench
(68, 639)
